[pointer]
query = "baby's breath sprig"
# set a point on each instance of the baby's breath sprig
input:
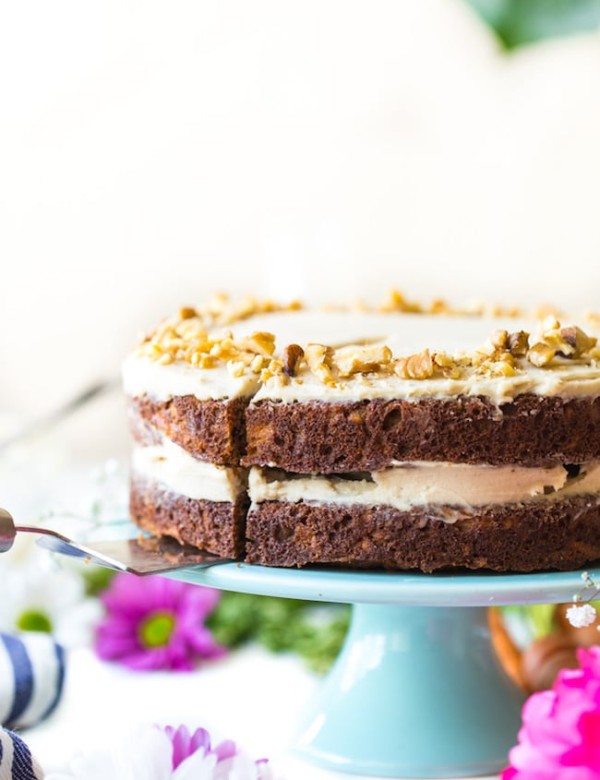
(582, 613)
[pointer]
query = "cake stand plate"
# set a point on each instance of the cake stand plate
(417, 690)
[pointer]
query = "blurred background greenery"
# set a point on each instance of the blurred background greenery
(519, 22)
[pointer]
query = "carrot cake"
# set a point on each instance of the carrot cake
(369, 438)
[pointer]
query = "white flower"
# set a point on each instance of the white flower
(38, 594)
(147, 754)
(581, 615)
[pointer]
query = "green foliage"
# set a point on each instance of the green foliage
(96, 578)
(315, 632)
(519, 22)
(530, 622)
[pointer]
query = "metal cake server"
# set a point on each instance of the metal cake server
(139, 556)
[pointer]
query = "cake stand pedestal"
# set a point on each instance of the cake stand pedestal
(417, 690)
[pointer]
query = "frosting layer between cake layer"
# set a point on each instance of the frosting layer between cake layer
(402, 486)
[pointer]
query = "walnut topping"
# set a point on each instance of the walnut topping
(187, 340)
(187, 313)
(259, 343)
(222, 311)
(362, 360)
(570, 342)
(397, 302)
(319, 359)
(445, 363)
(292, 355)
(541, 355)
(502, 365)
(578, 341)
(274, 371)
(195, 336)
(518, 343)
(499, 339)
(419, 366)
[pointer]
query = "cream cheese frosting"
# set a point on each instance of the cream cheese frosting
(404, 333)
(403, 486)
(419, 483)
(181, 473)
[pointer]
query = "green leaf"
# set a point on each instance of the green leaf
(519, 22)
(313, 631)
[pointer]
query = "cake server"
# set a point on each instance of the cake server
(141, 555)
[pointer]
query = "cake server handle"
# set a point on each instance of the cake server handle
(141, 555)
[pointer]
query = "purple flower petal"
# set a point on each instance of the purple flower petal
(127, 635)
(226, 749)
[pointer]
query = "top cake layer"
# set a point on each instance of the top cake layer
(344, 391)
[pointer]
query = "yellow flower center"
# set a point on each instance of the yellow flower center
(156, 630)
(34, 620)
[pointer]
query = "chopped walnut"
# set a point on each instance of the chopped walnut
(540, 355)
(419, 366)
(274, 372)
(258, 363)
(260, 343)
(578, 341)
(319, 358)
(447, 364)
(499, 339)
(397, 302)
(570, 342)
(518, 343)
(292, 354)
(187, 313)
(499, 367)
(362, 360)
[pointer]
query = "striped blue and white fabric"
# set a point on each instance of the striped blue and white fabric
(16, 761)
(32, 672)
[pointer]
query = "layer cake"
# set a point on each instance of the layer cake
(370, 438)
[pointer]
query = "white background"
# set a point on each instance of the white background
(153, 152)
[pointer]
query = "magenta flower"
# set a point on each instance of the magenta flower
(156, 623)
(560, 736)
(186, 744)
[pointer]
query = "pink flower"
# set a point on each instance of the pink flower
(186, 744)
(154, 753)
(156, 623)
(560, 736)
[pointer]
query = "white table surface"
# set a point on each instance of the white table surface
(253, 697)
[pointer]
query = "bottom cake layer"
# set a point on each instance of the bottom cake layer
(214, 526)
(521, 537)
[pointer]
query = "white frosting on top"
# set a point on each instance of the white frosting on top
(178, 471)
(405, 334)
(142, 376)
(413, 484)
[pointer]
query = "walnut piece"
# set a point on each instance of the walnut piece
(187, 313)
(292, 354)
(362, 360)
(541, 354)
(419, 366)
(499, 339)
(260, 343)
(518, 343)
(578, 341)
(319, 359)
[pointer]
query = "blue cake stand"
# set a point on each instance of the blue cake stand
(417, 690)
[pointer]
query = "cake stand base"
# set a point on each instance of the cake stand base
(416, 692)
